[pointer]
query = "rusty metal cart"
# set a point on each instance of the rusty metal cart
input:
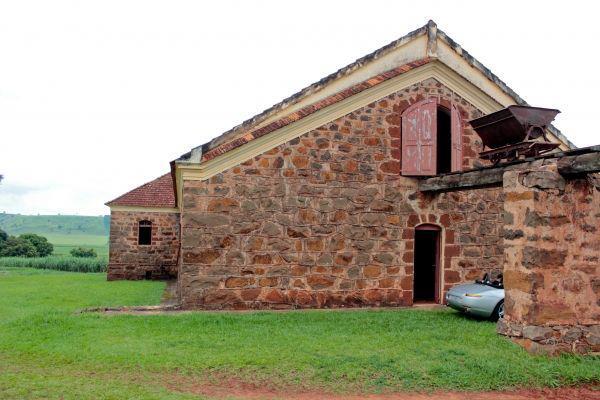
(514, 132)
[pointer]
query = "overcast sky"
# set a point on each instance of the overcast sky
(96, 97)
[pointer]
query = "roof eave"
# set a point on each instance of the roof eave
(432, 32)
(496, 80)
(114, 202)
(307, 91)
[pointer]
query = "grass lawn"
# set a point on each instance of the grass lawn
(47, 350)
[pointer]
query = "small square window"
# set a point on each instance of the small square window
(145, 233)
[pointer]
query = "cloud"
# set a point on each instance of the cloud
(50, 199)
(10, 189)
(100, 97)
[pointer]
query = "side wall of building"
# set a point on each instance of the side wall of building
(129, 260)
(552, 264)
(326, 220)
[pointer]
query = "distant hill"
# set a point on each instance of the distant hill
(15, 224)
(63, 231)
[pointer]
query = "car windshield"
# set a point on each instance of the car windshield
(495, 283)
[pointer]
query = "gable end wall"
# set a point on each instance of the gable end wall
(326, 220)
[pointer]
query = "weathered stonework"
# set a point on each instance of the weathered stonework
(552, 266)
(128, 260)
(326, 220)
(553, 339)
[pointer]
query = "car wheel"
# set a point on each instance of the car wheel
(498, 311)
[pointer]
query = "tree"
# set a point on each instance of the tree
(3, 238)
(84, 252)
(41, 244)
(17, 247)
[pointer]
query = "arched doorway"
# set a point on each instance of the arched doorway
(426, 275)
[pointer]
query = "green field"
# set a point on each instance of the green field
(48, 350)
(65, 232)
(57, 263)
(63, 243)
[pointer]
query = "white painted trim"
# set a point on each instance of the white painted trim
(427, 44)
(448, 55)
(144, 209)
(405, 52)
(179, 185)
(435, 69)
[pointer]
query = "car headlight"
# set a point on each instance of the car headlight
(473, 295)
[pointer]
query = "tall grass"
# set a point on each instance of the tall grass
(59, 263)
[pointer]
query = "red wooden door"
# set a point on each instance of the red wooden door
(456, 131)
(419, 139)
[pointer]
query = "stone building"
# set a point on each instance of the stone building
(552, 256)
(363, 189)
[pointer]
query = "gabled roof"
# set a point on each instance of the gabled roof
(436, 46)
(310, 109)
(157, 193)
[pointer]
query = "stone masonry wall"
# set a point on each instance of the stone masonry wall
(472, 226)
(552, 261)
(326, 220)
(128, 260)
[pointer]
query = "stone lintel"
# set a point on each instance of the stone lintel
(579, 164)
(574, 162)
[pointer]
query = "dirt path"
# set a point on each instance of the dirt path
(169, 297)
(169, 306)
(238, 390)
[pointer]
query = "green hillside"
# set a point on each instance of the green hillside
(63, 231)
(15, 224)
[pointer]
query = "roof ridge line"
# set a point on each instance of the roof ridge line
(475, 63)
(433, 33)
(312, 108)
(316, 86)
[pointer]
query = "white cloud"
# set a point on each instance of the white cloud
(97, 97)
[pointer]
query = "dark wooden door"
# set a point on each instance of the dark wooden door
(426, 264)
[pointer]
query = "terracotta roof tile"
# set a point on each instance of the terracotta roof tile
(306, 111)
(156, 193)
(315, 87)
(433, 33)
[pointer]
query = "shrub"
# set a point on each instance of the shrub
(58, 263)
(83, 252)
(17, 247)
(3, 238)
(41, 244)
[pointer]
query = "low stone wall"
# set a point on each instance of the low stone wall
(128, 260)
(553, 339)
(552, 261)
